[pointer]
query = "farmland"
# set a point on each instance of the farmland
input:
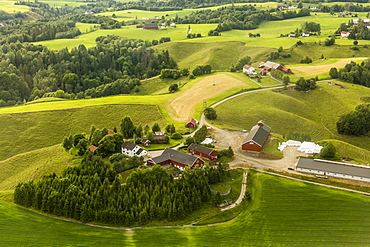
(315, 112)
(9, 7)
(283, 212)
(22, 133)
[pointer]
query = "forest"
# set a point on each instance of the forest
(94, 192)
(114, 66)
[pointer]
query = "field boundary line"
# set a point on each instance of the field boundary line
(316, 183)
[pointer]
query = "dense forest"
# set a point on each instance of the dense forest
(94, 192)
(114, 66)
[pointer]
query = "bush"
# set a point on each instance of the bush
(176, 136)
(210, 113)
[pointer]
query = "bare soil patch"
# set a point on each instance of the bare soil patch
(209, 87)
(319, 69)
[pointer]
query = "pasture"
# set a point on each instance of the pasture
(33, 165)
(282, 212)
(22, 133)
(9, 7)
(314, 112)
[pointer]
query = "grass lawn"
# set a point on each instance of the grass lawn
(220, 187)
(21, 133)
(59, 3)
(315, 112)
(283, 212)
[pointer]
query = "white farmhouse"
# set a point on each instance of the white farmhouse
(131, 149)
(247, 69)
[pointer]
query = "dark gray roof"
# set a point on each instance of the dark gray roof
(334, 167)
(200, 148)
(177, 156)
(138, 152)
(128, 145)
(258, 134)
(151, 25)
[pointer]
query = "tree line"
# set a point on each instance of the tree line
(94, 192)
(356, 122)
(114, 66)
(353, 73)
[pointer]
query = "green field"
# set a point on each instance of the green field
(9, 7)
(21, 133)
(314, 112)
(283, 212)
(33, 165)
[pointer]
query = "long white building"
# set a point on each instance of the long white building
(334, 169)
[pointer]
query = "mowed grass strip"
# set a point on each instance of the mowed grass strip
(33, 165)
(314, 112)
(26, 132)
(283, 212)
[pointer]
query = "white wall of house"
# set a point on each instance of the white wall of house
(133, 152)
(332, 174)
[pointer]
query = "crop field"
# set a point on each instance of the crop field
(205, 89)
(283, 212)
(22, 133)
(315, 69)
(315, 112)
(33, 165)
(9, 7)
(59, 3)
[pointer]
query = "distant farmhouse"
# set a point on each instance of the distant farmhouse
(247, 69)
(267, 66)
(257, 137)
(131, 149)
(171, 157)
(202, 151)
(344, 34)
(160, 137)
(334, 169)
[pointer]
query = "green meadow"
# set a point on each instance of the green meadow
(314, 112)
(9, 7)
(33, 165)
(26, 132)
(282, 212)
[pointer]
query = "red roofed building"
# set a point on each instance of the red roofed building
(286, 70)
(111, 132)
(192, 123)
(92, 148)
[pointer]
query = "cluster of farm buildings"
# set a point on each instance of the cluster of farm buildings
(254, 142)
(264, 67)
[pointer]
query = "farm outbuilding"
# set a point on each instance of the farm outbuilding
(150, 26)
(192, 123)
(202, 151)
(334, 169)
(171, 157)
(257, 137)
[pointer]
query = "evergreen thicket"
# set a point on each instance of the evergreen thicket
(355, 123)
(94, 192)
(354, 73)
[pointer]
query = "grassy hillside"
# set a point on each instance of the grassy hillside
(314, 112)
(8, 6)
(220, 55)
(283, 212)
(32, 166)
(22, 133)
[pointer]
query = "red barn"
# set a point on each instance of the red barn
(171, 157)
(286, 70)
(192, 123)
(202, 151)
(257, 137)
(150, 26)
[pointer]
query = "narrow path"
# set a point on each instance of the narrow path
(242, 193)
